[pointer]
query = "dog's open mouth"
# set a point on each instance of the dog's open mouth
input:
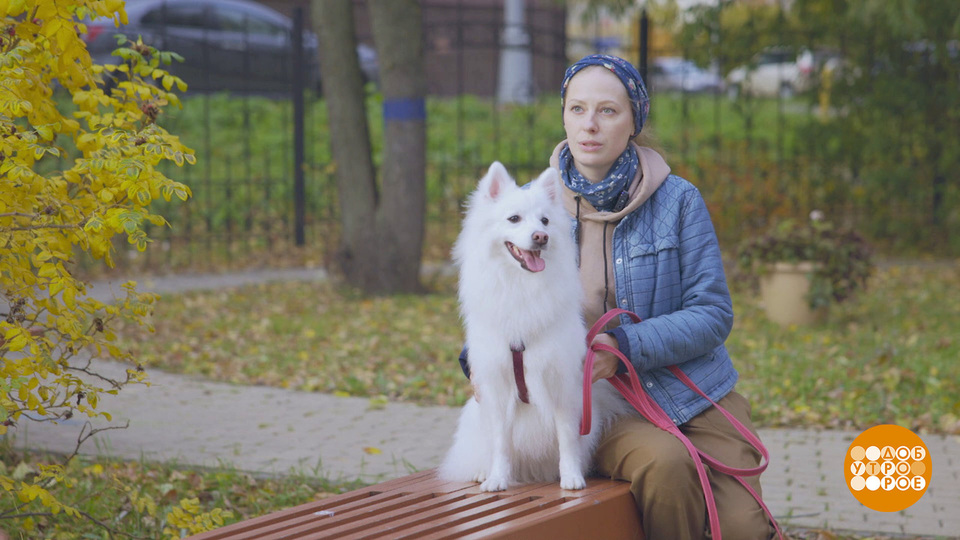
(529, 260)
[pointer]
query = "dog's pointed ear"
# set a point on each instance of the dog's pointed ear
(496, 181)
(549, 181)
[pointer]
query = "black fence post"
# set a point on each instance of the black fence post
(299, 189)
(644, 44)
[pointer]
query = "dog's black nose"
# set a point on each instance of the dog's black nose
(540, 238)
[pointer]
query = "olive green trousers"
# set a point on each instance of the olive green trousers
(664, 479)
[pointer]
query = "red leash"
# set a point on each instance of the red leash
(629, 385)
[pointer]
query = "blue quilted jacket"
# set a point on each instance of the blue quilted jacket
(668, 270)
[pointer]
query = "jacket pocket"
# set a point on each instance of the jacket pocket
(661, 244)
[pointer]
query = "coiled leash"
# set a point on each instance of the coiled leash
(628, 384)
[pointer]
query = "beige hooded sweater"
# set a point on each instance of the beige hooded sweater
(596, 230)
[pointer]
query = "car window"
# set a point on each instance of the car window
(232, 20)
(775, 58)
(183, 15)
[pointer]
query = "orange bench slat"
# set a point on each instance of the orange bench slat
(424, 507)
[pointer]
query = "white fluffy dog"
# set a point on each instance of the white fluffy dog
(520, 289)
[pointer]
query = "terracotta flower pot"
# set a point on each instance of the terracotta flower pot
(783, 291)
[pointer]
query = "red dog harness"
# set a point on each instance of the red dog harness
(518, 372)
(629, 385)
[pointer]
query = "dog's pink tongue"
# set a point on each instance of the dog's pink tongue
(532, 261)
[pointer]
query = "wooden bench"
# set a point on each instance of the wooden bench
(422, 506)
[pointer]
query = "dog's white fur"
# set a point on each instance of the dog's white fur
(500, 440)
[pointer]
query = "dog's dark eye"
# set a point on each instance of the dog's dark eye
(544, 220)
(514, 219)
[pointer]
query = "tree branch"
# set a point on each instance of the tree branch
(83, 436)
(86, 369)
(38, 227)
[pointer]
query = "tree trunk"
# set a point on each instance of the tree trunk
(398, 35)
(382, 237)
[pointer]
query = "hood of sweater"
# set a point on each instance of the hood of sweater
(596, 230)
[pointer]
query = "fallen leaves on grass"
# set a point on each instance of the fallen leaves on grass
(888, 356)
(135, 499)
(313, 337)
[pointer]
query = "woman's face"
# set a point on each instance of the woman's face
(598, 119)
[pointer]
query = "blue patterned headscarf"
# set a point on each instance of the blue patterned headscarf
(628, 75)
(610, 194)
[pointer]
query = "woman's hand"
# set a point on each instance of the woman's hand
(605, 363)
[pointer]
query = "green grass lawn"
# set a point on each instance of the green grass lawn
(887, 356)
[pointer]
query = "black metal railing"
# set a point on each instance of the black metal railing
(263, 183)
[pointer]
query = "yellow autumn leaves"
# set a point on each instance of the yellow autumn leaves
(79, 166)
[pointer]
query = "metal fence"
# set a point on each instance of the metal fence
(751, 156)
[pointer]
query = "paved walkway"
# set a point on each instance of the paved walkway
(267, 430)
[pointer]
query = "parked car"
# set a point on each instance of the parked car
(775, 71)
(669, 73)
(235, 45)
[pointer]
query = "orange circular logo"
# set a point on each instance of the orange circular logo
(888, 468)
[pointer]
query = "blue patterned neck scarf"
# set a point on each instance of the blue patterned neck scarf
(611, 193)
